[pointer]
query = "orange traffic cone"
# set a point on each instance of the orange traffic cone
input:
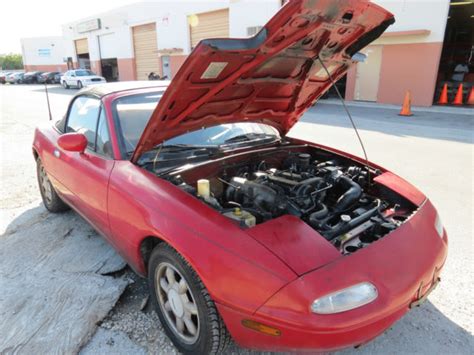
(458, 98)
(406, 108)
(443, 98)
(470, 98)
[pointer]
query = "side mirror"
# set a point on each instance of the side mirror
(73, 142)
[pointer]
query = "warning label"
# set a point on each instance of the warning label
(214, 70)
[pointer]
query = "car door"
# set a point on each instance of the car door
(64, 77)
(71, 78)
(86, 175)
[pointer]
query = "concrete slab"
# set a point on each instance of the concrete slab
(51, 282)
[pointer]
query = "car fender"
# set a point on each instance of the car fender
(237, 271)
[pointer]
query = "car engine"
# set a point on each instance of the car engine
(327, 195)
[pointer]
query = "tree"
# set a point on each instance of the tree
(11, 61)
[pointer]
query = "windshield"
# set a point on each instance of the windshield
(83, 73)
(133, 113)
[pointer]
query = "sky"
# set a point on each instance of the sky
(36, 18)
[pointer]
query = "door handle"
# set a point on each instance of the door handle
(56, 153)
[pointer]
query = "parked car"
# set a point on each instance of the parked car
(15, 78)
(47, 77)
(80, 78)
(32, 77)
(3, 77)
(57, 78)
(240, 229)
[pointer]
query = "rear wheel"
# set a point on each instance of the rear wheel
(185, 308)
(65, 85)
(51, 199)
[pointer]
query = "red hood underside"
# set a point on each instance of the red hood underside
(271, 78)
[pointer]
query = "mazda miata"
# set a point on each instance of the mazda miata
(243, 232)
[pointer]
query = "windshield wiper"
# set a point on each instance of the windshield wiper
(188, 151)
(181, 148)
(250, 137)
(171, 148)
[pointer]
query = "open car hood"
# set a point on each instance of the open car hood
(273, 77)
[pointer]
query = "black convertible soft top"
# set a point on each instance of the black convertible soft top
(101, 90)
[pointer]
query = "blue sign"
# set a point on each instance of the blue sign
(44, 52)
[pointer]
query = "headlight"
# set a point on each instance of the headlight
(439, 226)
(346, 299)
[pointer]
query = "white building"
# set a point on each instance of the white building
(129, 42)
(45, 53)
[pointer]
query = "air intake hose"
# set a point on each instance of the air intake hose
(353, 193)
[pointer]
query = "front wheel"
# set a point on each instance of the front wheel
(51, 199)
(79, 84)
(65, 85)
(185, 308)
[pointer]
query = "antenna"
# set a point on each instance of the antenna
(349, 115)
(47, 100)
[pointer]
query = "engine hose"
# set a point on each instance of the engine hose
(315, 217)
(303, 187)
(343, 227)
(353, 193)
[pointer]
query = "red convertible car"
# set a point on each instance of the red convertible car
(243, 232)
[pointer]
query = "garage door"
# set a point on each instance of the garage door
(213, 24)
(146, 50)
(82, 46)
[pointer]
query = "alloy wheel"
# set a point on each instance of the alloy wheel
(177, 303)
(45, 185)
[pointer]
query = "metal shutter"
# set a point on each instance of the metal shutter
(146, 50)
(82, 46)
(213, 24)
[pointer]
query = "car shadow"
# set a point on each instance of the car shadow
(423, 330)
(56, 89)
(433, 125)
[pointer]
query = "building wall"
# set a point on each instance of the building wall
(411, 51)
(114, 38)
(411, 48)
(116, 28)
(43, 54)
(250, 13)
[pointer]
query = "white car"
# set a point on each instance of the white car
(80, 78)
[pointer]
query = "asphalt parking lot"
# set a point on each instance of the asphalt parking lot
(433, 149)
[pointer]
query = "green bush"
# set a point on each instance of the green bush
(11, 61)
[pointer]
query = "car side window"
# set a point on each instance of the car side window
(103, 143)
(83, 117)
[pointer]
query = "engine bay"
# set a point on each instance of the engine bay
(334, 195)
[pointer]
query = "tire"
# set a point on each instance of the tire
(210, 334)
(65, 85)
(79, 85)
(51, 199)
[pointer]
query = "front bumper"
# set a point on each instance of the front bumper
(403, 266)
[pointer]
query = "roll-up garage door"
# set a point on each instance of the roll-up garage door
(214, 24)
(146, 50)
(81, 46)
